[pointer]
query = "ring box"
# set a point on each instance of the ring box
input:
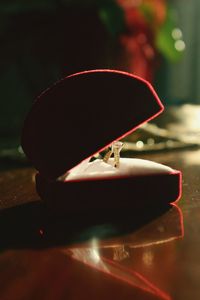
(80, 116)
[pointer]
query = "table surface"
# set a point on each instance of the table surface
(158, 260)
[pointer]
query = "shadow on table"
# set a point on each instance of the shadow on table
(30, 225)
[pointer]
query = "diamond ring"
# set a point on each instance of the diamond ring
(115, 149)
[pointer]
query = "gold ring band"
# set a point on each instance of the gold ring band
(115, 149)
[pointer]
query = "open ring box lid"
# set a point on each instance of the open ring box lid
(80, 116)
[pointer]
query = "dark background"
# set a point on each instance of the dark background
(42, 41)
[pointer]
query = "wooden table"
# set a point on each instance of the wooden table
(43, 258)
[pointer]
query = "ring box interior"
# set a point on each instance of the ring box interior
(80, 116)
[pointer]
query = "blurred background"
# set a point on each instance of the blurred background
(42, 41)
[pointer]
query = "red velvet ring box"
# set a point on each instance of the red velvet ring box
(80, 116)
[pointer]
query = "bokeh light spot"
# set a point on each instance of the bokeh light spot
(179, 45)
(177, 34)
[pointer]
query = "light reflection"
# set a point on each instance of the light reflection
(177, 33)
(87, 255)
(139, 144)
(179, 45)
(148, 257)
(117, 272)
(120, 253)
(118, 257)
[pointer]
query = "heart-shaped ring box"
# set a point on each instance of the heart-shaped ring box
(80, 116)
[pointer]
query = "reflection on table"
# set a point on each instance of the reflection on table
(133, 258)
